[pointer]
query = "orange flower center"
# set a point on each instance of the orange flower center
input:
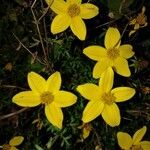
(47, 98)
(136, 147)
(108, 98)
(73, 10)
(141, 19)
(6, 147)
(113, 53)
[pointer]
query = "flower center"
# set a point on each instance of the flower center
(113, 53)
(6, 147)
(108, 98)
(136, 147)
(73, 10)
(47, 98)
(141, 19)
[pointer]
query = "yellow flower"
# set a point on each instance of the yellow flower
(126, 142)
(48, 93)
(70, 13)
(102, 99)
(114, 55)
(15, 141)
(139, 21)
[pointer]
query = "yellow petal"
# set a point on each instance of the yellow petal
(126, 51)
(58, 6)
(60, 23)
(123, 93)
(131, 32)
(26, 99)
(112, 38)
(36, 82)
(121, 67)
(17, 140)
(86, 133)
(14, 148)
(88, 11)
(137, 26)
(100, 67)
(74, 1)
(111, 115)
(124, 140)
(54, 82)
(78, 27)
(107, 79)
(92, 110)
(145, 145)
(89, 91)
(137, 137)
(54, 114)
(132, 22)
(95, 52)
(64, 99)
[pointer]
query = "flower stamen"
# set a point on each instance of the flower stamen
(73, 10)
(136, 147)
(47, 98)
(108, 98)
(113, 53)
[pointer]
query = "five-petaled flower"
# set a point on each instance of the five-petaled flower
(48, 93)
(15, 141)
(102, 99)
(70, 13)
(126, 142)
(139, 21)
(114, 55)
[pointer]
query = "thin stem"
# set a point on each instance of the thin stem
(12, 86)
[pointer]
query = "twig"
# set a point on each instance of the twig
(12, 86)
(14, 113)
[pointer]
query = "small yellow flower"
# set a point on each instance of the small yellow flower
(114, 55)
(70, 13)
(126, 142)
(15, 141)
(139, 21)
(102, 99)
(47, 93)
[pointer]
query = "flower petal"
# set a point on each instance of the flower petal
(111, 115)
(112, 38)
(145, 145)
(13, 148)
(15, 141)
(26, 99)
(36, 82)
(126, 51)
(88, 11)
(100, 67)
(137, 137)
(124, 140)
(74, 1)
(92, 110)
(58, 6)
(78, 27)
(106, 81)
(54, 82)
(54, 114)
(64, 98)
(123, 93)
(121, 67)
(95, 52)
(60, 23)
(89, 91)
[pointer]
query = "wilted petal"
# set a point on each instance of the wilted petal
(123, 93)
(54, 82)
(89, 91)
(78, 27)
(26, 99)
(17, 140)
(111, 115)
(64, 99)
(145, 145)
(92, 110)
(124, 140)
(112, 38)
(36, 82)
(107, 79)
(121, 67)
(54, 114)
(88, 11)
(137, 137)
(126, 51)
(95, 52)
